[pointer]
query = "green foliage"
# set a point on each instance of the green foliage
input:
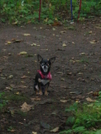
(84, 117)
(15, 98)
(26, 11)
(2, 101)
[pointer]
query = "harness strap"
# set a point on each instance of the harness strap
(48, 76)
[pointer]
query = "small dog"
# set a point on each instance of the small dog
(43, 76)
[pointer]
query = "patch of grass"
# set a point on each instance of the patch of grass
(22, 113)
(71, 28)
(10, 129)
(84, 60)
(2, 101)
(15, 98)
(84, 117)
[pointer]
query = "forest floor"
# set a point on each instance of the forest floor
(76, 73)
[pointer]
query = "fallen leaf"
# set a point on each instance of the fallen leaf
(17, 93)
(99, 27)
(83, 53)
(73, 42)
(96, 93)
(25, 107)
(10, 76)
(9, 88)
(22, 86)
(16, 40)
(61, 32)
(24, 77)
(63, 101)
(35, 99)
(23, 53)
(44, 49)
(26, 34)
(91, 92)
(62, 79)
(8, 42)
(15, 23)
(34, 132)
(90, 32)
(64, 45)
(90, 100)
(55, 130)
(33, 44)
(41, 27)
(93, 42)
(54, 29)
(57, 23)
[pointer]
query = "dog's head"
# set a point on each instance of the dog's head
(45, 64)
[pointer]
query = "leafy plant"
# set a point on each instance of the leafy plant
(84, 117)
(2, 101)
(26, 11)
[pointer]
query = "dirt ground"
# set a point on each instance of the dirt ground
(76, 73)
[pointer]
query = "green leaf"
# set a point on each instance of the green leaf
(98, 132)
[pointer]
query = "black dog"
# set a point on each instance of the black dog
(43, 76)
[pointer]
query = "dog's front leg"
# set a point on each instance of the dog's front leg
(46, 88)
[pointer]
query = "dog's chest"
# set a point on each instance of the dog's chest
(43, 81)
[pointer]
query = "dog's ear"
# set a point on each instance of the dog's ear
(51, 60)
(39, 58)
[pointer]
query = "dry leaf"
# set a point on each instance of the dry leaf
(56, 23)
(93, 42)
(90, 32)
(61, 32)
(54, 29)
(24, 77)
(16, 40)
(62, 79)
(90, 100)
(8, 88)
(83, 53)
(63, 101)
(34, 44)
(55, 130)
(22, 86)
(41, 27)
(96, 93)
(26, 34)
(25, 107)
(17, 93)
(10, 77)
(23, 53)
(35, 99)
(73, 42)
(34, 132)
(8, 42)
(64, 45)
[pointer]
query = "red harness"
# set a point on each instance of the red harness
(48, 76)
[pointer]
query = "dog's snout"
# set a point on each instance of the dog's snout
(45, 66)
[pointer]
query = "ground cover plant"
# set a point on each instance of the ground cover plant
(85, 118)
(27, 11)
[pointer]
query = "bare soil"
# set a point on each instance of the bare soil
(76, 73)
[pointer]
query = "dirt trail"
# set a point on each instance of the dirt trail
(76, 72)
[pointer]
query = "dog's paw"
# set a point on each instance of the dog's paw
(46, 93)
(40, 93)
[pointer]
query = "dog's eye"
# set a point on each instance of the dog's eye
(42, 64)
